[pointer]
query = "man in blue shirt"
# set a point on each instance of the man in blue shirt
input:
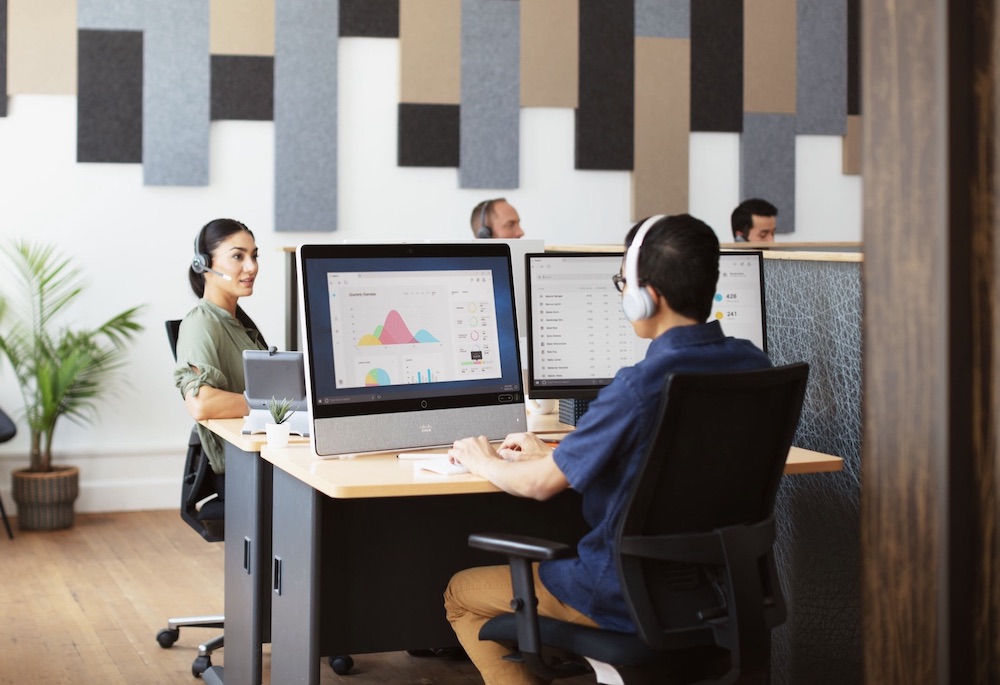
(668, 282)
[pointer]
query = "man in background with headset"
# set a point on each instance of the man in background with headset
(495, 218)
(669, 275)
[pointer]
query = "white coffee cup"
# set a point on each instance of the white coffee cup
(541, 406)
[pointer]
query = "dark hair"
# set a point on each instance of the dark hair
(742, 219)
(208, 239)
(679, 258)
(475, 219)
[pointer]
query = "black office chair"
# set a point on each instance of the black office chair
(207, 517)
(694, 547)
(7, 431)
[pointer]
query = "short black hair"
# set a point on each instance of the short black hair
(742, 219)
(679, 258)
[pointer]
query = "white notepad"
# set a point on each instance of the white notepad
(442, 466)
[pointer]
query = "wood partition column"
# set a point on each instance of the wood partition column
(929, 469)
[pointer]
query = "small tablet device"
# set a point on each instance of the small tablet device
(269, 373)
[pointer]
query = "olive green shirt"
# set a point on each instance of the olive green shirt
(212, 341)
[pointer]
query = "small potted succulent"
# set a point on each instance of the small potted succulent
(278, 430)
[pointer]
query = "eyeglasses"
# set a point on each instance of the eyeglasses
(619, 282)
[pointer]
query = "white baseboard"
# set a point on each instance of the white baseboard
(114, 482)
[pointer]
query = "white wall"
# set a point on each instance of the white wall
(134, 242)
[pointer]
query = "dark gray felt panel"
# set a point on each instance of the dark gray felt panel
(109, 96)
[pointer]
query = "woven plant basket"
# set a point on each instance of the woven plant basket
(45, 500)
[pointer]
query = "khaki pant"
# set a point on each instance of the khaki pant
(476, 595)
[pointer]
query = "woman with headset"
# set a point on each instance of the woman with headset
(213, 335)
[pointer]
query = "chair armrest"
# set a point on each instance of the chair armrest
(524, 546)
(521, 551)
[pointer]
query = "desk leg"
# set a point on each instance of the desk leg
(295, 599)
(246, 563)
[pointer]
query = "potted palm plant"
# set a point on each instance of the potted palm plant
(61, 370)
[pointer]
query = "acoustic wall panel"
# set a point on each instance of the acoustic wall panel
(176, 94)
(428, 135)
(242, 87)
(662, 18)
(305, 115)
(241, 27)
(854, 56)
(550, 53)
(430, 51)
(490, 116)
(852, 146)
(124, 15)
(769, 70)
(41, 47)
(821, 89)
(605, 132)
(767, 163)
(3, 58)
(662, 118)
(109, 105)
(716, 65)
(369, 18)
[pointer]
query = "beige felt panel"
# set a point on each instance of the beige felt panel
(662, 124)
(852, 146)
(430, 51)
(550, 53)
(41, 47)
(769, 72)
(242, 27)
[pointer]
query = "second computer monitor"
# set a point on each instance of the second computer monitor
(578, 337)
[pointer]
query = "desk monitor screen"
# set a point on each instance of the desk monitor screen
(578, 336)
(409, 345)
(519, 247)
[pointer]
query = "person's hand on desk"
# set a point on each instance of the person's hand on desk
(523, 446)
(532, 473)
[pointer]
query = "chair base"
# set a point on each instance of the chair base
(203, 662)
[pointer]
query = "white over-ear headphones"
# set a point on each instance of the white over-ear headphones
(636, 300)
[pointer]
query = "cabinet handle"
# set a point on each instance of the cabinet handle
(246, 555)
(276, 576)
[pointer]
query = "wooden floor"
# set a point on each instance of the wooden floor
(83, 606)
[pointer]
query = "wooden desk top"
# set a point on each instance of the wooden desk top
(385, 475)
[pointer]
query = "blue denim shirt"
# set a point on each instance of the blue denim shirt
(601, 456)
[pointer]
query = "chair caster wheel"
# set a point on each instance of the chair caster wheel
(167, 637)
(341, 665)
(200, 665)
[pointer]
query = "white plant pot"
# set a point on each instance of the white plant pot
(277, 434)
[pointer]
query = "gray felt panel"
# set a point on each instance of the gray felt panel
(822, 67)
(3, 58)
(491, 87)
(176, 94)
(305, 115)
(662, 18)
(109, 96)
(767, 163)
(111, 14)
